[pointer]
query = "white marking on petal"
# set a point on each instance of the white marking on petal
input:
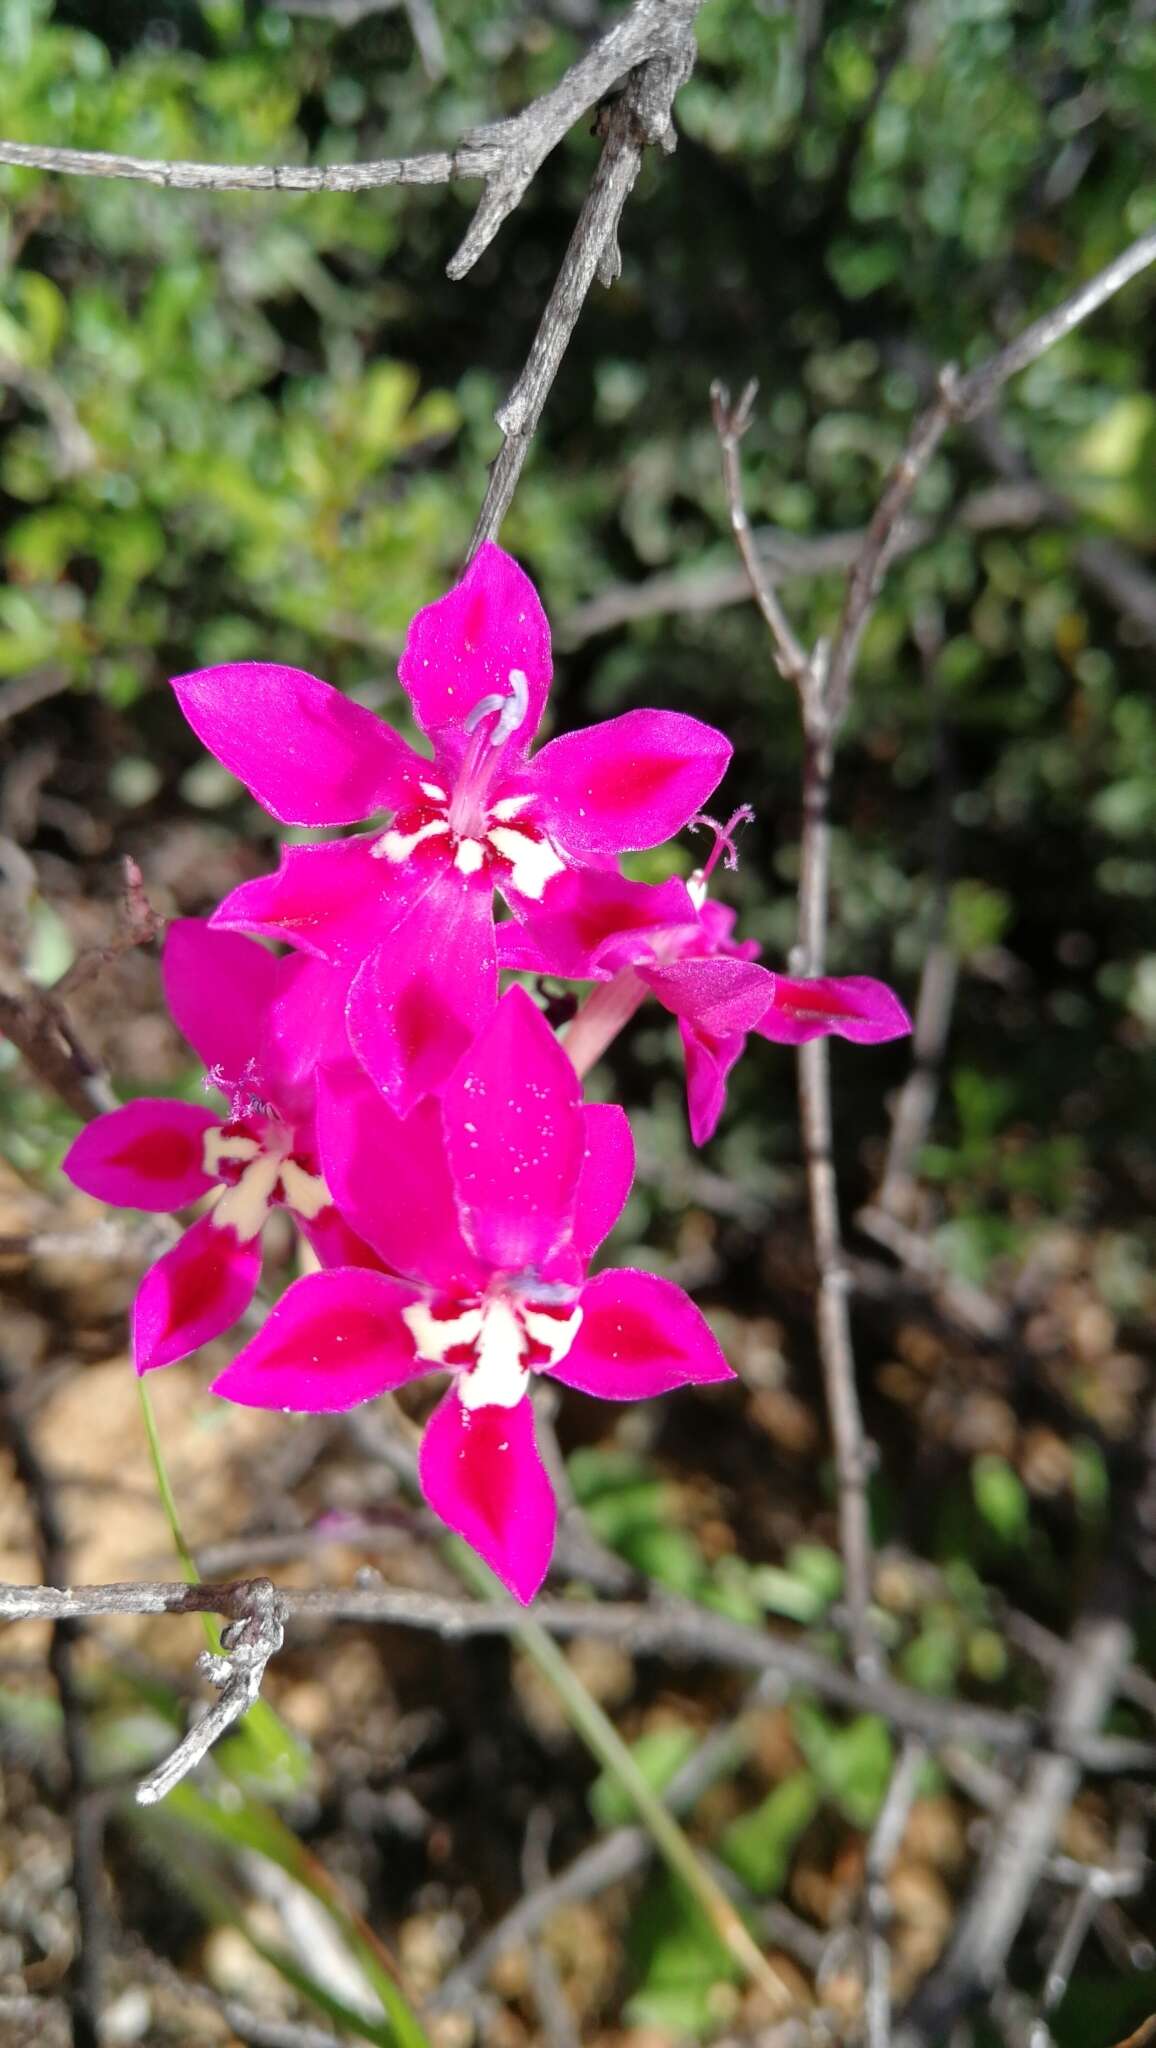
(470, 856)
(696, 888)
(306, 1193)
(434, 791)
(499, 1379)
(534, 861)
(556, 1334)
(218, 1147)
(508, 807)
(434, 1335)
(398, 846)
(245, 1206)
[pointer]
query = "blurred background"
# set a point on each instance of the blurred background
(257, 426)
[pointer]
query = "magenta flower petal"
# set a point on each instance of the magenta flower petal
(331, 900)
(304, 1029)
(515, 1137)
(419, 1000)
(147, 1155)
(335, 1241)
(218, 986)
(639, 1335)
(308, 754)
(480, 1471)
(717, 996)
(854, 1007)
(606, 1175)
(589, 924)
(708, 1064)
(334, 1340)
(630, 782)
(391, 1181)
(193, 1294)
(466, 647)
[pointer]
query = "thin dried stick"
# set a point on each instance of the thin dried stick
(640, 117)
(992, 1917)
(247, 1645)
(85, 1987)
(730, 424)
(882, 1850)
(958, 398)
(823, 683)
(833, 1320)
(673, 1627)
(505, 155)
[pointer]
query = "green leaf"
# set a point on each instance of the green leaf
(759, 1846)
(852, 1764)
(679, 1961)
(1001, 1497)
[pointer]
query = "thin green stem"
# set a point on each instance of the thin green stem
(188, 1563)
(604, 1742)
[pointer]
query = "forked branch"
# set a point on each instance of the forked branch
(505, 155)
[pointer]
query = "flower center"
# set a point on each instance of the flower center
(494, 1341)
(253, 1159)
(499, 842)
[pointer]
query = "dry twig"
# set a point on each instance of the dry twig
(505, 155)
(84, 1816)
(671, 1627)
(255, 1634)
(833, 1321)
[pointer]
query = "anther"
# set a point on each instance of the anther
(724, 838)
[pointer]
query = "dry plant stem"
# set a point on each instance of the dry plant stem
(1016, 505)
(882, 1850)
(84, 1813)
(39, 1029)
(832, 1311)
(959, 398)
(674, 1627)
(730, 425)
(247, 1645)
(604, 1742)
(991, 1918)
(620, 1855)
(505, 155)
(641, 116)
(554, 2011)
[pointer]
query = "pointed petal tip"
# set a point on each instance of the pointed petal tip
(481, 1472)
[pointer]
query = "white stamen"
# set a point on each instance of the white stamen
(434, 791)
(398, 846)
(509, 807)
(306, 1193)
(434, 1335)
(515, 707)
(696, 888)
(554, 1333)
(245, 1206)
(218, 1147)
(470, 856)
(499, 1379)
(534, 861)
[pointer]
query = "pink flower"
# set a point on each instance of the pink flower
(490, 1203)
(246, 1014)
(679, 945)
(408, 911)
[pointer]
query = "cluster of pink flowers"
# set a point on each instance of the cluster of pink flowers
(427, 1133)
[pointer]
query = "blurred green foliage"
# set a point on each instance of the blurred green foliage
(257, 425)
